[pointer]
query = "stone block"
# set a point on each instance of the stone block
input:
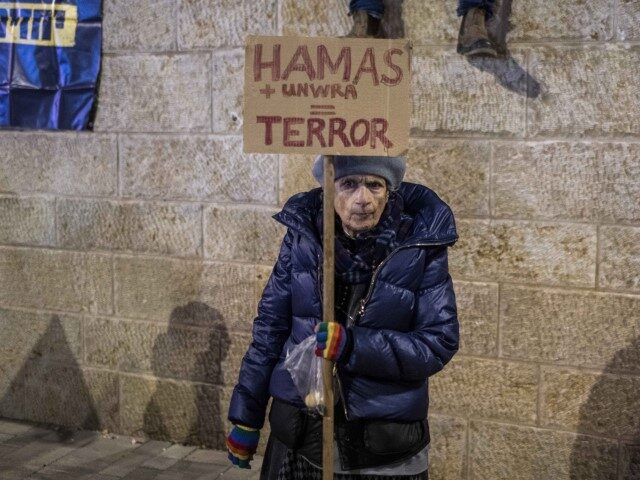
(63, 163)
(531, 252)
(189, 292)
(315, 19)
(603, 404)
(223, 23)
(179, 412)
(452, 96)
(585, 329)
(149, 25)
(619, 258)
(567, 20)
(428, 23)
(72, 396)
(447, 452)
(196, 167)
(489, 389)
(510, 452)
(628, 20)
(27, 220)
(478, 316)
(295, 175)
(587, 92)
(578, 181)
(166, 351)
(27, 337)
(142, 227)
(227, 90)
(231, 354)
(176, 96)
(55, 280)
(241, 234)
(459, 172)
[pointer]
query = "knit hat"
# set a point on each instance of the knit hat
(390, 168)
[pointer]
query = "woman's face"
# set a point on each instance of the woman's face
(360, 201)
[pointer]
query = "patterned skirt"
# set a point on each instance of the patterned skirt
(280, 463)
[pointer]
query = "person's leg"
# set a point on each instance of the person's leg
(465, 5)
(473, 38)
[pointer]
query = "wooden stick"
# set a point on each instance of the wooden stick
(328, 311)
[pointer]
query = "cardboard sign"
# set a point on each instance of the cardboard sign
(326, 95)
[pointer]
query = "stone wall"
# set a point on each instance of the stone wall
(132, 258)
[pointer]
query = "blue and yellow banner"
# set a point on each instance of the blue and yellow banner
(49, 62)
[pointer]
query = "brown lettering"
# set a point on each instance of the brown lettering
(370, 60)
(268, 122)
(336, 127)
(379, 128)
(258, 64)
(315, 126)
(292, 132)
(324, 58)
(302, 53)
(360, 142)
(388, 60)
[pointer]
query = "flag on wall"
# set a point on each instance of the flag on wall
(49, 62)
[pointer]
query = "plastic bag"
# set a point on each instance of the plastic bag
(305, 368)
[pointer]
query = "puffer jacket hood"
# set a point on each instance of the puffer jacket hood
(407, 329)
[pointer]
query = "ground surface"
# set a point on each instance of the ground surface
(33, 452)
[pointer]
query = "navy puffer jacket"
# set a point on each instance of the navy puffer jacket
(408, 331)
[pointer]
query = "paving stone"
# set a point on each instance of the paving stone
(459, 172)
(491, 389)
(215, 457)
(98, 454)
(585, 329)
(5, 436)
(630, 462)
(27, 220)
(561, 21)
(26, 437)
(242, 234)
(126, 465)
(600, 100)
(170, 351)
(14, 428)
(531, 252)
(619, 258)
(603, 404)
(15, 473)
(228, 89)
(223, 23)
(76, 163)
(170, 410)
(141, 25)
(143, 227)
(125, 107)
(142, 473)
(628, 20)
(447, 450)
(451, 96)
(55, 280)
(477, 305)
(311, 19)
(509, 452)
(188, 292)
(295, 175)
(196, 167)
(565, 180)
(72, 396)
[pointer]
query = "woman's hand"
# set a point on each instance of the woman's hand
(333, 341)
(242, 443)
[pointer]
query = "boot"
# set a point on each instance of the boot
(473, 38)
(364, 25)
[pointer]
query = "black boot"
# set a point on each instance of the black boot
(473, 38)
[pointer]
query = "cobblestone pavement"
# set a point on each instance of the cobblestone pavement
(32, 452)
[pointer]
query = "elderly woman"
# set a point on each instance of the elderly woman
(396, 325)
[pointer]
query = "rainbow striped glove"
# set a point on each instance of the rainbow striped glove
(242, 443)
(333, 341)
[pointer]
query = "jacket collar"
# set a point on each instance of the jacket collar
(433, 219)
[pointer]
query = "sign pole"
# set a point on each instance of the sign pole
(328, 292)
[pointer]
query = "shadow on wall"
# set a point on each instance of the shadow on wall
(504, 68)
(49, 386)
(613, 410)
(172, 404)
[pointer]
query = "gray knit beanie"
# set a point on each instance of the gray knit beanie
(390, 168)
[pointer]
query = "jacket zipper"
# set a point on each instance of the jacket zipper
(366, 299)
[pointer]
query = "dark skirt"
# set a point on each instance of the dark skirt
(280, 463)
